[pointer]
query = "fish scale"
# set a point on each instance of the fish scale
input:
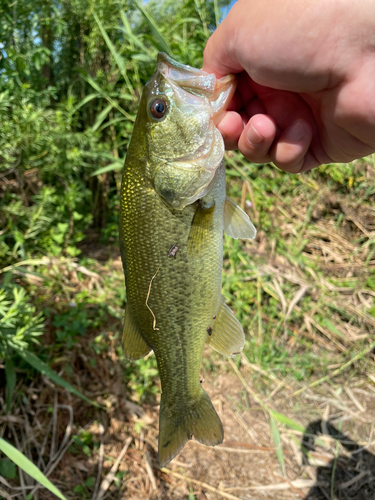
(175, 295)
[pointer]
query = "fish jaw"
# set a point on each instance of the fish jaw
(185, 149)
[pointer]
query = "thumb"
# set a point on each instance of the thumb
(217, 58)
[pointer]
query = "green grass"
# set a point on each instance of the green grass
(293, 288)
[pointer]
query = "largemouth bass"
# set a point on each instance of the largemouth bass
(173, 213)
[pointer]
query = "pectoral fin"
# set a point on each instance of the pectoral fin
(133, 345)
(236, 222)
(227, 335)
(200, 230)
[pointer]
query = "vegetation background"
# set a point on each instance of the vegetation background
(71, 74)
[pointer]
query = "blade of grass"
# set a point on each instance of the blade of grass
(334, 465)
(206, 486)
(24, 272)
(217, 13)
(135, 40)
(159, 38)
(113, 166)
(116, 56)
(5, 494)
(259, 304)
(39, 365)
(282, 419)
(336, 372)
(106, 96)
(87, 99)
(101, 117)
(278, 445)
(111, 122)
(28, 262)
(27, 466)
(202, 17)
(149, 57)
(288, 422)
(107, 481)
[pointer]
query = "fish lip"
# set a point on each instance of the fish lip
(220, 100)
(195, 81)
(219, 91)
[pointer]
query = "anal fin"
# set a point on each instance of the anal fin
(236, 222)
(227, 335)
(133, 345)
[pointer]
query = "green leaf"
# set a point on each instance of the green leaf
(136, 41)
(90, 481)
(39, 365)
(63, 227)
(278, 444)
(37, 61)
(7, 469)
(26, 465)
(159, 38)
(59, 238)
(72, 251)
(10, 374)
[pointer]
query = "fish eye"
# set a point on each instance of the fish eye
(158, 108)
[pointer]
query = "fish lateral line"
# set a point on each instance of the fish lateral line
(148, 296)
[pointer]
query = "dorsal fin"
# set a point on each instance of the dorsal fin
(236, 222)
(227, 336)
(133, 345)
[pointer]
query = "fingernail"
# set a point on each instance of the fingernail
(253, 136)
(296, 132)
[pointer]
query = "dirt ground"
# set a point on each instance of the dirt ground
(121, 460)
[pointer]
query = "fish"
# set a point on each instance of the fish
(173, 210)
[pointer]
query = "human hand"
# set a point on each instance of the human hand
(306, 91)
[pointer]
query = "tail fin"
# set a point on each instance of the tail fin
(178, 425)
